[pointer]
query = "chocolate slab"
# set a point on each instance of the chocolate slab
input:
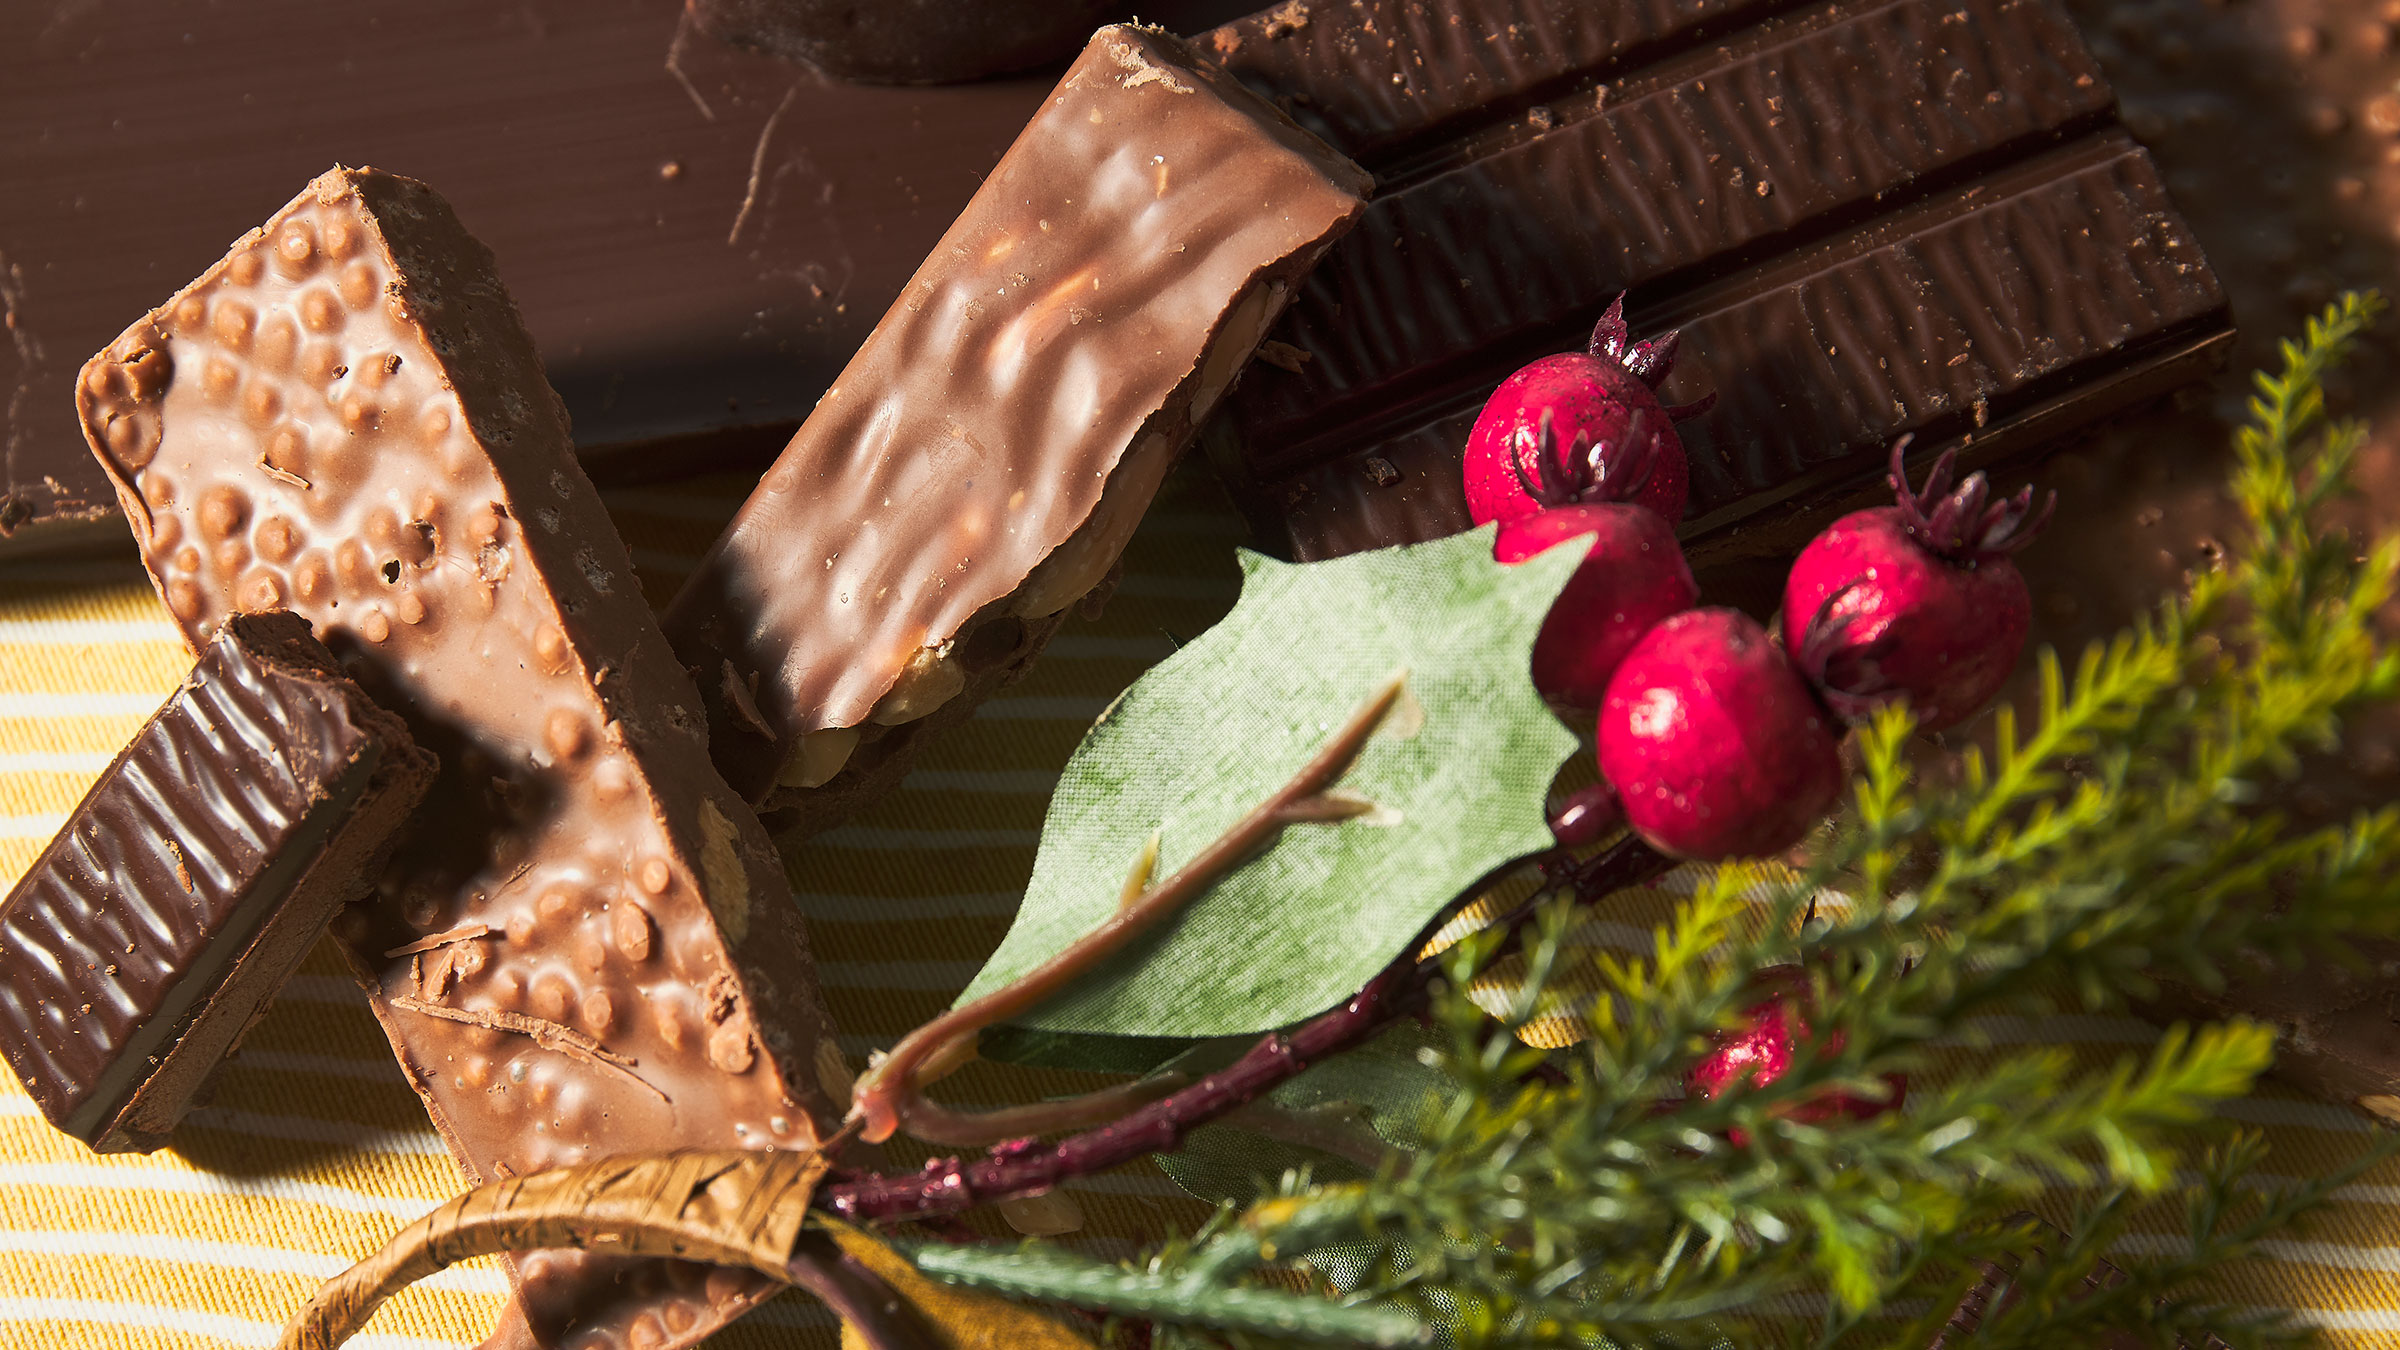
(590, 948)
(1870, 218)
(979, 465)
(194, 876)
(699, 237)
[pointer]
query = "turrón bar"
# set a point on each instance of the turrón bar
(590, 947)
(978, 467)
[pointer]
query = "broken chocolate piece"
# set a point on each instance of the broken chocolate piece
(640, 979)
(1869, 218)
(194, 876)
(980, 464)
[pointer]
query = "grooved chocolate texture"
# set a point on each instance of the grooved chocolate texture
(980, 464)
(1376, 77)
(193, 877)
(1872, 217)
(589, 947)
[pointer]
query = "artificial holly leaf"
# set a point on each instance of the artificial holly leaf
(1456, 774)
(1335, 1120)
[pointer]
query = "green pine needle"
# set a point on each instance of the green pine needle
(2113, 839)
(2120, 836)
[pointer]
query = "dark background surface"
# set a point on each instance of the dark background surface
(604, 154)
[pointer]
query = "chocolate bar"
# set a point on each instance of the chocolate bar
(193, 877)
(904, 41)
(976, 470)
(590, 948)
(1869, 218)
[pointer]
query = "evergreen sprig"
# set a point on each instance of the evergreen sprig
(2122, 834)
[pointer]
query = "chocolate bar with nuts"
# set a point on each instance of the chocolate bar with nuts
(976, 470)
(590, 947)
(194, 876)
(1869, 218)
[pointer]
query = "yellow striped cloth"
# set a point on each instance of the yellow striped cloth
(314, 1151)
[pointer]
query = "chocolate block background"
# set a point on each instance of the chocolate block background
(137, 141)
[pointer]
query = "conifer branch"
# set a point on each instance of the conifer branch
(2112, 838)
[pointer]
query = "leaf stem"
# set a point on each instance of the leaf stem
(949, 1186)
(888, 1097)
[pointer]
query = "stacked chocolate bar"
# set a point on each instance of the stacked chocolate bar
(588, 946)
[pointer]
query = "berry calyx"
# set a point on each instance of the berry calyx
(1633, 574)
(1582, 427)
(1715, 745)
(1965, 526)
(1916, 601)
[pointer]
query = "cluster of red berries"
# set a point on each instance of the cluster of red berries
(1715, 738)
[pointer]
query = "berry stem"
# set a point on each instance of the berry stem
(947, 1186)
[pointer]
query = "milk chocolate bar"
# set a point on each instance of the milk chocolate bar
(192, 878)
(590, 947)
(1869, 218)
(979, 466)
(676, 350)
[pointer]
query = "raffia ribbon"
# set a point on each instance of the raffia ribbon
(727, 1208)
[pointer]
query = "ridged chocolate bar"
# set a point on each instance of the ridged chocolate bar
(979, 466)
(590, 948)
(192, 879)
(1870, 218)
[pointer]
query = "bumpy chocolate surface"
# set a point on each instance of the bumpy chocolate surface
(980, 464)
(1869, 218)
(591, 948)
(192, 878)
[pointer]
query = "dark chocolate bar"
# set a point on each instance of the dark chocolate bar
(1869, 218)
(194, 876)
(590, 948)
(976, 470)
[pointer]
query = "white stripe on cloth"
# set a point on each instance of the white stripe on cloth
(87, 632)
(91, 762)
(49, 707)
(172, 1248)
(94, 1177)
(218, 1326)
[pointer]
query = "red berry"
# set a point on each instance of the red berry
(1581, 427)
(1916, 601)
(1763, 1051)
(1632, 576)
(1714, 743)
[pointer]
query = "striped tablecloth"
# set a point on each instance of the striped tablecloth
(314, 1151)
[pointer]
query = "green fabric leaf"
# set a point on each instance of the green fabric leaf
(1379, 1091)
(1459, 770)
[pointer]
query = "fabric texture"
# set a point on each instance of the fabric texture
(313, 1151)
